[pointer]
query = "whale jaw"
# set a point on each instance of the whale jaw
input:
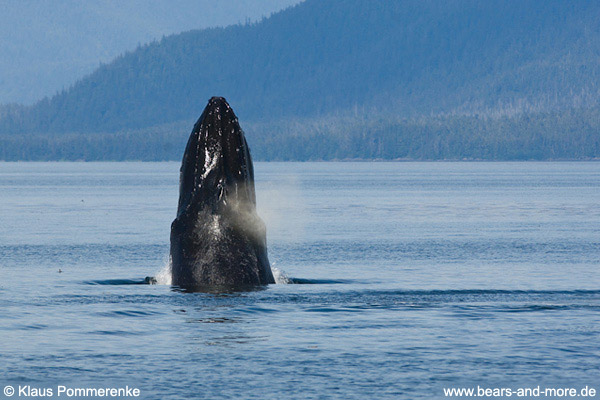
(218, 239)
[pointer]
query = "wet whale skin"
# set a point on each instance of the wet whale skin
(218, 239)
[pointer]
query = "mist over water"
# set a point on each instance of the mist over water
(422, 276)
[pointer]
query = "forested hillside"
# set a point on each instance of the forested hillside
(47, 45)
(565, 135)
(335, 79)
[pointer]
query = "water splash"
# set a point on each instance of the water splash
(280, 276)
(163, 277)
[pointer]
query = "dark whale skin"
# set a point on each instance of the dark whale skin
(218, 239)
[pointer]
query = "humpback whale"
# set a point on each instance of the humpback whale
(217, 238)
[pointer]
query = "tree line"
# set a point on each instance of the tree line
(566, 135)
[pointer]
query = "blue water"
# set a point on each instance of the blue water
(429, 275)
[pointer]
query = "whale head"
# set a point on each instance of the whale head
(217, 239)
(216, 166)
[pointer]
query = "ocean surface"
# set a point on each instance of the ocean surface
(420, 277)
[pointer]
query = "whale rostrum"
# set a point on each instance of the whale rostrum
(218, 239)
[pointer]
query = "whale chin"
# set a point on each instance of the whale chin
(218, 241)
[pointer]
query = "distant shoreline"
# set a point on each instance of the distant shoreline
(591, 160)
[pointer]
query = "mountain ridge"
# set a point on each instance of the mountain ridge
(47, 45)
(318, 59)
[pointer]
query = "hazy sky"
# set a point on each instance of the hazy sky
(46, 45)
